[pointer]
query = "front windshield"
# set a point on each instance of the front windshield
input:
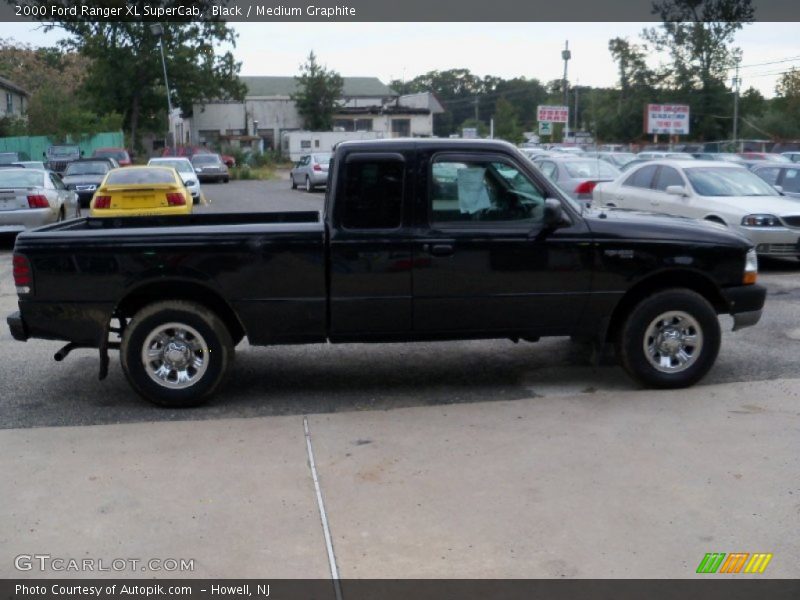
(717, 181)
(88, 168)
(581, 169)
(20, 179)
(181, 166)
(205, 159)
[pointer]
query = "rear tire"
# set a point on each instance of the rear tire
(176, 353)
(670, 339)
(309, 187)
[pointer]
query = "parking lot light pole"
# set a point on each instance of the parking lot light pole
(736, 83)
(566, 55)
(158, 31)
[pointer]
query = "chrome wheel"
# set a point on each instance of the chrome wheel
(673, 342)
(175, 355)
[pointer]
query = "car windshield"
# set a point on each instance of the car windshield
(322, 159)
(206, 159)
(20, 179)
(132, 175)
(116, 154)
(579, 169)
(63, 151)
(181, 166)
(87, 168)
(714, 181)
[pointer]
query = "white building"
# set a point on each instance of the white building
(268, 111)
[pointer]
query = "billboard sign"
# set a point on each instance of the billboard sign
(672, 119)
(552, 114)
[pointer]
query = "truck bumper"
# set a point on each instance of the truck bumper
(17, 327)
(746, 303)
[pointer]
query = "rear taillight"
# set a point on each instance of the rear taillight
(23, 278)
(38, 201)
(317, 168)
(176, 199)
(586, 187)
(101, 202)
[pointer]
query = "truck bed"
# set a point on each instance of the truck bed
(265, 263)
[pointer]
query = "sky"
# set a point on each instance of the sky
(403, 50)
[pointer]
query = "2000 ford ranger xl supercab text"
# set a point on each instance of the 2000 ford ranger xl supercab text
(420, 240)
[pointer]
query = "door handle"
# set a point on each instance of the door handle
(439, 249)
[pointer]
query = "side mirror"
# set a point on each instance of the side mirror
(553, 214)
(676, 190)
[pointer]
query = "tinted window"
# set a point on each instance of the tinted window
(581, 169)
(642, 177)
(132, 175)
(373, 194)
(480, 191)
(791, 180)
(769, 175)
(87, 168)
(666, 177)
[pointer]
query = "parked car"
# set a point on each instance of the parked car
(722, 156)
(210, 167)
(141, 191)
(752, 156)
(118, 154)
(59, 156)
(633, 163)
(84, 176)
(653, 154)
(504, 254)
(31, 198)
(190, 151)
(185, 170)
(576, 175)
(31, 164)
(617, 159)
(792, 156)
(785, 178)
(311, 171)
(724, 193)
(7, 158)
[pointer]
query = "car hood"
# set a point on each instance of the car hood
(82, 179)
(641, 225)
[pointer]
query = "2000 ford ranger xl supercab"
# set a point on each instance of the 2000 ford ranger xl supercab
(420, 240)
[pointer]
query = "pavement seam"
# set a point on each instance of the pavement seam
(322, 514)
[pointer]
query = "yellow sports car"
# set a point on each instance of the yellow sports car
(141, 191)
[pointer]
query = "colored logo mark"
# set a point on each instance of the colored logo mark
(735, 562)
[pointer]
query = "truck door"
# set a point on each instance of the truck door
(486, 265)
(370, 251)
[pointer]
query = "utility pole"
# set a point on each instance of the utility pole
(736, 83)
(566, 55)
(577, 89)
(476, 109)
(158, 31)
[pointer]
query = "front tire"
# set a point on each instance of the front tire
(176, 353)
(670, 339)
(294, 183)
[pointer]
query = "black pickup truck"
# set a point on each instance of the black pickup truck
(419, 240)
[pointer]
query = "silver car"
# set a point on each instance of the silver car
(576, 175)
(186, 171)
(785, 178)
(311, 171)
(31, 198)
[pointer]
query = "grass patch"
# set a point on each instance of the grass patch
(258, 173)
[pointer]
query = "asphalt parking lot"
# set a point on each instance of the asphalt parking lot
(460, 459)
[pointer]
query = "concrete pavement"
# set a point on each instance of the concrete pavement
(613, 484)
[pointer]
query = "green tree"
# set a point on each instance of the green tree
(319, 91)
(698, 35)
(126, 75)
(506, 122)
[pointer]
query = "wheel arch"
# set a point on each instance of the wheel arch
(673, 279)
(192, 291)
